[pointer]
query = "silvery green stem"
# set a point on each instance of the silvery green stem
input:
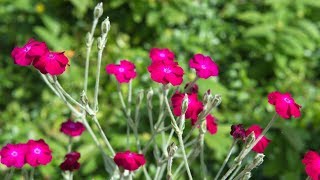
(105, 27)
(138, 105)
(229, 172)
(235, 172)
(129, 112)
(69, 149)
(258, 160)
(179, 133)
(104, 137)
(203, 165)
(32, 173)
(234, 143)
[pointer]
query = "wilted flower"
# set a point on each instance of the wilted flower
(212, 126)
(238, 132)
(129, 160)
(193, 89)
(71, 128)
(70, 162)
(124, 72)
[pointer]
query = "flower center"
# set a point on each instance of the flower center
(121, 69)
(14, 153)
(167, 70)
(51, 56)
(37, 151)
(203, 66)
(26, 49)
(72, 126)
(162, 55)
(287, 100)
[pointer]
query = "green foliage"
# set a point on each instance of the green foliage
(260, 46)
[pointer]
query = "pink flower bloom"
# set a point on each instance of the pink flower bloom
(53, 63)
(12, 155)
(284, 104)
(24, 56)
(204, 66)
(165, 72)
(193, 89)
(157, 54)
(212, 126)
(123, 72)
(312, 162)
(38, 153)
(194, 105)
(263, 143)
(238, 132)
(71, 128)
(129, 160)
(70, 162)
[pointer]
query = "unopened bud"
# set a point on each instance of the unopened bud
(84, 98)
(105, 26)
(100, 43)
(98, 10)
(150, 94)
(207, 96)
(89, 39)
(246, 176)
(258, 159)
(172, 148)
(216, 100)
(140, 96)
(185, 103)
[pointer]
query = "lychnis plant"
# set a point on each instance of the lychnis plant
(178, 104)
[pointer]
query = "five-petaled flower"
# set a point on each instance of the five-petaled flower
(70, 162)
(157, 54)
(13, 155)
(194, 105)
(72, 128)
(205, 67)
(311, 160)
(38, 153)
(165, 72)
(124, 72)
(53, 63)
(129, 160)
(284, 104)
(25, 55)
(263, 143)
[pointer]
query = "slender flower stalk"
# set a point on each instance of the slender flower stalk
(234, 143)
(9, 174)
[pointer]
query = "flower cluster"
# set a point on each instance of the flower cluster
(34, 153)
(38, 54)
(72, 129)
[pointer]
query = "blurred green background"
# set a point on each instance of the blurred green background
(260, 46)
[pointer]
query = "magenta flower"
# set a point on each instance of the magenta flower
(284, 104)
(204, 66)
(12, 155)
(70, 162)
(38, 153)
(124, 72)
(71, 128)
(238, 132)
(157, 54)
(212, 126)
(194, 105)
(24, 56)
(312, 162)
(165, 72)
(53, 63)
(263, 143)
(129, 160)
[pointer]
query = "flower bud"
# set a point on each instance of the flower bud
(98, 10)
(258, 159)
(185, 103)
(105, 26)
(238, 132)
(84, 98)
(150, 94)
(172, 148)
(246, 176)
(216, 100)
(89, 39)
(206, 97)
(140, 96)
